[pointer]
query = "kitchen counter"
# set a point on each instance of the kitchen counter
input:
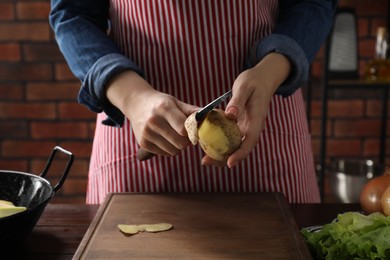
(61, 227)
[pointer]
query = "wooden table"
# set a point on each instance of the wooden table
(62, 227)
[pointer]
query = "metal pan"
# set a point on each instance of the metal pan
(30, 191)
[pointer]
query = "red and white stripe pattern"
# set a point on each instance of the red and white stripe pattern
(194, 50)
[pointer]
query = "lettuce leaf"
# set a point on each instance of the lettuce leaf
(351, 236)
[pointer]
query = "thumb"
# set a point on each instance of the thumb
(187, 109)
(236, 105)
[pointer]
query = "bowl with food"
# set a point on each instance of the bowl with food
(24, 196)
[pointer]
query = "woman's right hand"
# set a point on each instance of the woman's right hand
(157, 119)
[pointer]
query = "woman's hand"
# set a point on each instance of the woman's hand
(252, 92)
(157, 119)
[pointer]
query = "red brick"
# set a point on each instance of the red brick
(340, 108)
(363, 65)
(14, 129)
(344, 147)
(29, 31)
(388, 149)
(363, 27)
(375, 23)
(388, 129)
(17, 149)
(347, 3)
(62, 72)
(364, 7)
(79, 168)
(80, 149)
(371, 148)
(317, 68)
(11, 91)
(9, 52)
(6, 11)
(346, 108)
(52, 91)
(387, 161)
(367, 48)
(47, 130)
(73, 110)
(32, 10)
(338, 148)
(374, 108)
(20, 165)
(315, 144)
(92, 127)
(25, 72)
(74, 187)
(316, 107)
(315, 127)
(42, 52)
(71, 199)
(357, 128)
(27, 111)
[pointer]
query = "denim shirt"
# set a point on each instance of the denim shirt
(80, 29)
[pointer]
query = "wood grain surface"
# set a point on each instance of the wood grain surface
(205, 226)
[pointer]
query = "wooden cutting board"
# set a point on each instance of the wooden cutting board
(205, 226)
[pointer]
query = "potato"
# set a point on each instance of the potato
(7, 208)
(218, 135)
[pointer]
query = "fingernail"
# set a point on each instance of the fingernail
(231, 165)
(232, 110)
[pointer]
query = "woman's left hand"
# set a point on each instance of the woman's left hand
(252, 93)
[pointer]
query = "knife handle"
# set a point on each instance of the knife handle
(144, 155)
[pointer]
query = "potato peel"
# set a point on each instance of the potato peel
(151, 228)
(191, 125)
(128, 229)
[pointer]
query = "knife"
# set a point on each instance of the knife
(143, 155)
(201, 114)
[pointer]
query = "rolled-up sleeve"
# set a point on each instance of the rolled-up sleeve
(81, 32)
(300, 31)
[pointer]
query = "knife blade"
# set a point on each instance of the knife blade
(144, 155)
(201, 114)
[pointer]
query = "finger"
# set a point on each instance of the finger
(246, 147)
(178, 118)
(236, 105)
(164, 130)
(208, 161)
(187, 109)
(159, 127)
(156, 143)
(143, 154)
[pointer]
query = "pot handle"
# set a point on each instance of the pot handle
(67, 167)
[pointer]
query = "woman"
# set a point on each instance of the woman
(146, 72)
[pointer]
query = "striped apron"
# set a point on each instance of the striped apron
(194, 50)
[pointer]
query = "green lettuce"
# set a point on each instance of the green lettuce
(351, 236)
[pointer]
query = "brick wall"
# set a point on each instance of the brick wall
(354, 123)
(37, 99)
(38, 108)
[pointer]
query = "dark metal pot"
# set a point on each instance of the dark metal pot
(30, 191)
